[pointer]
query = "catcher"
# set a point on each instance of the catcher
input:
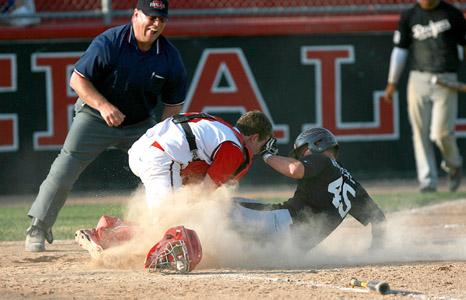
(196, 148)
(325, 195)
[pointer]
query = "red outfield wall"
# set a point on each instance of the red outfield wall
(221, 26)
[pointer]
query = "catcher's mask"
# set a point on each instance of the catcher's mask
(178, 251)
(317, 139)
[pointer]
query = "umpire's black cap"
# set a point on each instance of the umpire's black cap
(154, 8)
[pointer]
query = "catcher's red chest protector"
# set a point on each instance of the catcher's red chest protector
(179, 250)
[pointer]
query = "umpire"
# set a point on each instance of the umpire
(431, 30)
(119, 80)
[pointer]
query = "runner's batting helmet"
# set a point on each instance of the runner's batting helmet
(178, 251)
(317, 139)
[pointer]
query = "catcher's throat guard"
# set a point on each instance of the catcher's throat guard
(178, 251)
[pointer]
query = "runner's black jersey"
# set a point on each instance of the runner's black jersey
(433, 36)
(328, 190)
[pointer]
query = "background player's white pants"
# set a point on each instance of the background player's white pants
(259, 223)
(432, 113)
(157, 171)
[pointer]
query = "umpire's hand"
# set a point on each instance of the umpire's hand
(89, 94)
(111, 114)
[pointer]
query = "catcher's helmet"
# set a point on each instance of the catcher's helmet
(317, 139)
(178, 251)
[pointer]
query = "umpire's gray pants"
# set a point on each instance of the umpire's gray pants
(88, 136)
(432, 113)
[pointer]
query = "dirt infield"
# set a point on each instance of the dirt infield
(425, 258)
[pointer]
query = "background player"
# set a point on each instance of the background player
(326, 192)
(431, 30)
(118, 80)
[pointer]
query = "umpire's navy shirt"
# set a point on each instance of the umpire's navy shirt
(130, 79)
(432, 36)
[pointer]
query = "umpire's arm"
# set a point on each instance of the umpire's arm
(89, 94)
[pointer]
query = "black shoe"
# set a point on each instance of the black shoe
(428, 189)
(454, 179)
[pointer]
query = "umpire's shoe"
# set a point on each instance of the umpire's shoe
(454, 179)
(36, 235)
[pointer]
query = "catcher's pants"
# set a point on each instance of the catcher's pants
(158, 172)
(432, 113)
(261, 223)
(88, 136)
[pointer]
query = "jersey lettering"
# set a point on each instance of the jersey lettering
(340, 190)
(433, 29)
(342, 170)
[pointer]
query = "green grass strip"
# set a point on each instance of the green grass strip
(409, 200)
(13, 219)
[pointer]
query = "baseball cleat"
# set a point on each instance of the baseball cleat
(87, 240)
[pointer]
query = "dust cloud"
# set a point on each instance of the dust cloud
(413, 235)
(225, 247)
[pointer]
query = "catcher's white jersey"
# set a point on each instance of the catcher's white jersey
(163, 151)
(209, 134)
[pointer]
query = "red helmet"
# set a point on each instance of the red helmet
(179, 251)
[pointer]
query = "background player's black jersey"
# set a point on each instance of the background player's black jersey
(327, 194)
(433, 36)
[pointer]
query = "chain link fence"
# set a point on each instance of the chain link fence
(31, 12)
